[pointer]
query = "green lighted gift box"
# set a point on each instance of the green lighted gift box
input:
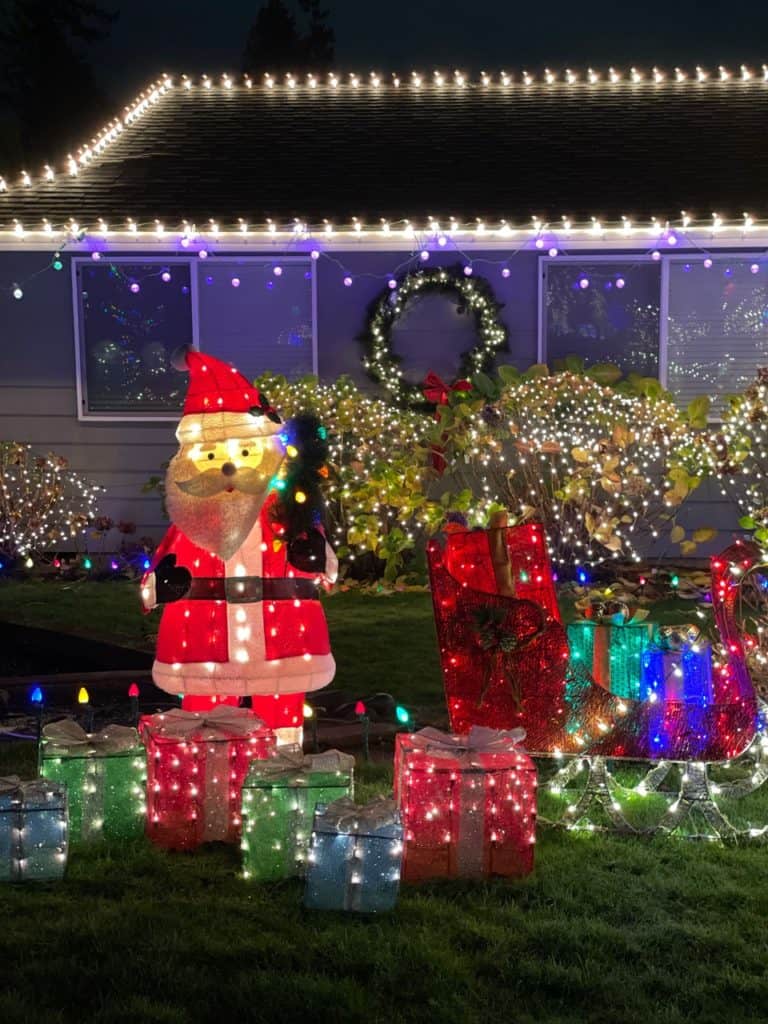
(279, 798)
(612, 653)
(105, 775)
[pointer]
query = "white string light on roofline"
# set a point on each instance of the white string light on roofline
(681, 232)
(374, 83)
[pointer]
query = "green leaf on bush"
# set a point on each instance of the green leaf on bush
(508, 374)
(698, 411)
(747, 523)
(537, 370)
(574, 364)
(482, 382)
(604, 373)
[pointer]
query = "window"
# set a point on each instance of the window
(717, 325)
(604, 311)
(131, 314)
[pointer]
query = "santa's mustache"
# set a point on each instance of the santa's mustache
(213, 481)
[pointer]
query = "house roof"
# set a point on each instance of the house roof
(501, 148)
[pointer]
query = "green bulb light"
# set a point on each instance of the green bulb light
(401, 714)
(674, 581)
(87, 563)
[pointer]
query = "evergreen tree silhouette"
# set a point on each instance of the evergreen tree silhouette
(276, 43)
(48, 94)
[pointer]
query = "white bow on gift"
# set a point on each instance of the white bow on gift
(29, 790)
(344, 815)
(220, 723)
(479, 740)
(289, 762)
(67, 737)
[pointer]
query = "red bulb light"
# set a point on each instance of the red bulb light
(359, 708)
(133, 690)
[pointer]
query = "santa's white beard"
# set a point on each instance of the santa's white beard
(219, 523)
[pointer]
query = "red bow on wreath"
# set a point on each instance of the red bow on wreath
(436, 390)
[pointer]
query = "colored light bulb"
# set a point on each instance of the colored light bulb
(308, 711)
(300, 497)
(401, 714)
(359, 708)
(87, 563)
(36, 696)
(133, 690)
(82, 696)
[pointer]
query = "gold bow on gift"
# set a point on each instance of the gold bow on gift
(67, 738)
(221, 723)
(344, 815)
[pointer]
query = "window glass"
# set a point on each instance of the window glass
(132, 317)
(717, 327)
(603, 312)
(257, 315)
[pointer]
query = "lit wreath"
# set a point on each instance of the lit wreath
(475, 294)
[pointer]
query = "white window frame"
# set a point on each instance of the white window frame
(666, 260)
(195, 264)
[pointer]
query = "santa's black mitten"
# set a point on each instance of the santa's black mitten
(307, 552)
(172, 582)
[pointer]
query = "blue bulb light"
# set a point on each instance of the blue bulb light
(146, 564)
(582, 577)
(36, 696)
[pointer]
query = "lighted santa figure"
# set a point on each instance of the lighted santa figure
(239, 572)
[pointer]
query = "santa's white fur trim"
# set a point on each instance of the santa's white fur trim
(210, 427)
(231, 679)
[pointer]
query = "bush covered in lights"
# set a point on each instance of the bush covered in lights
(605, 464)
(377, 487)
(44, 506)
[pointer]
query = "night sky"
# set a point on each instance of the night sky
(202, 35)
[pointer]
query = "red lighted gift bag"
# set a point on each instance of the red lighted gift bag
(196, 765)
(468, 804)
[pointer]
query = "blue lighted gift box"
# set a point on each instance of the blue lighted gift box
(355, 857)
(33, 830)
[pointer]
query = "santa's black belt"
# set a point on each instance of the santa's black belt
(247, 589)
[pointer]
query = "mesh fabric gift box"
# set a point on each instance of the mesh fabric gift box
(104, 773)
(678, 685)
(355, 857)
(468, 804)
(33, 830)
(196, 764)
(279, 798)
(612, 653)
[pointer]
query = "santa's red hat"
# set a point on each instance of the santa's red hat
(221, 403)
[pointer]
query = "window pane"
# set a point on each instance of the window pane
(255, 318)
(133, 315)
(604, 313)
(718, 326)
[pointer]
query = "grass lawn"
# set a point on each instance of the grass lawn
(609, 930)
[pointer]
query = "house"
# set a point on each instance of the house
(615, 214)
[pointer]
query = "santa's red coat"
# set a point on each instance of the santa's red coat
(234, 648)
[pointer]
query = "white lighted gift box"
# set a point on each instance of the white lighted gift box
(33, 830)
(355, 856)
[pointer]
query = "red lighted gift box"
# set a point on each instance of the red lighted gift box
(196, 765)
(468, 804)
